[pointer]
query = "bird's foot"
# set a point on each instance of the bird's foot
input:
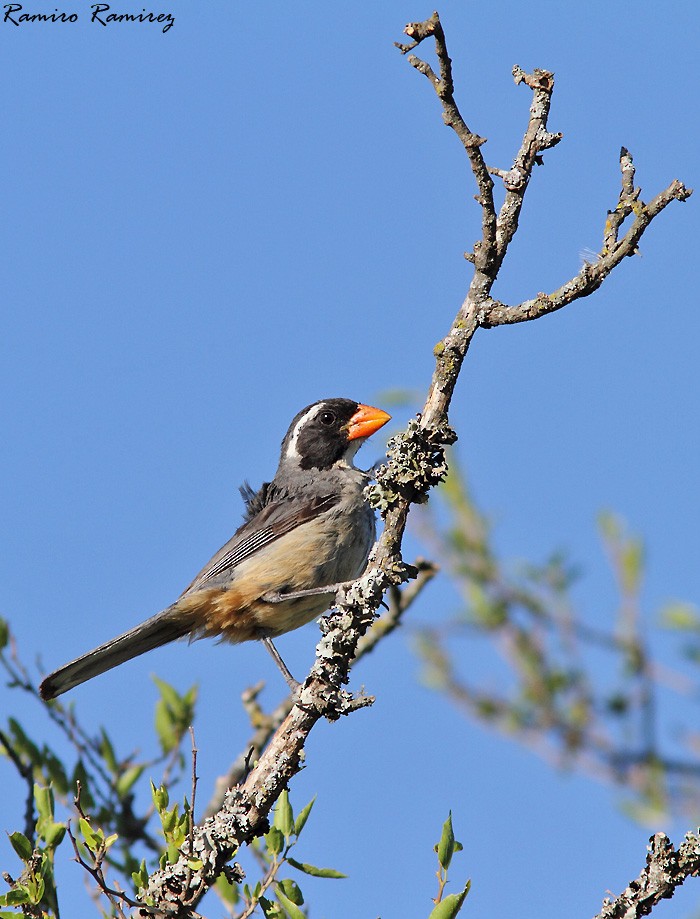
(276, 596)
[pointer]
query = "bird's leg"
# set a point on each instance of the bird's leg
(293, 684)
(276, 596)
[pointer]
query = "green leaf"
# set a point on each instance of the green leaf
(169, 694)
(4, 633)
(270, 910)
(174, 713)
(169, 820)
(22, 743)
(227, 891)
(16, 896)
(160, 796)
(165, 727)
(681, 616)
(274, 840)
(190, 697)
(300, 822)
(446, 846)
(107, 752)
(451, 905)
(43, 798)
(53, 834)
(127, 780)
(21, 845)
(631, 564)
(140, 877)
(173, 854)
(291, 890)
(56, 772)
(284, 815)
(93, 838)
(289, 907)
(38, 891)
(314, 871)
(644, 812)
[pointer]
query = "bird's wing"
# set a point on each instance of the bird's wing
(274, 520)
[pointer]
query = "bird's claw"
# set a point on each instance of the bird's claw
(272, 596)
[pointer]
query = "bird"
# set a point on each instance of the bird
(304, 533)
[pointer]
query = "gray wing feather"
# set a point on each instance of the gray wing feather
(273, 521)
(276, 518)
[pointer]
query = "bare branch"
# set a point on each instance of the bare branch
(626, 205)
(591, 276)
(536, 139)
(665, 870)
(444, 87)
(195, 778)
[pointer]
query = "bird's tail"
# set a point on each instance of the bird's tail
(160, 629)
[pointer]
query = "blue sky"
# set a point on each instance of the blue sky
(203, 231)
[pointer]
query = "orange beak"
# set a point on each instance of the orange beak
(366, 421)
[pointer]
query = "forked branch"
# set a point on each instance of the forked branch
(614, 250)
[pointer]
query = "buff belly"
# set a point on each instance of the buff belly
(311, 556)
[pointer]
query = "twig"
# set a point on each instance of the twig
(536, 139)
(444, 87)
(264, 883)
(194, 783)
(190, 830)
(627, 204)
(591, 276)
(115, 897)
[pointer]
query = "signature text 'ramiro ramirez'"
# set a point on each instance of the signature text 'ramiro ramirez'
(101, 13)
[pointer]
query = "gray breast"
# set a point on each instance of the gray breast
(351, 529)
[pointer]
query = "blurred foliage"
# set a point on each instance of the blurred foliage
(580, 696)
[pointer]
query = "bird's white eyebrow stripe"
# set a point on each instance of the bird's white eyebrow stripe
(292, 446)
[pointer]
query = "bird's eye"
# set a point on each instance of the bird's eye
(327, 418)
